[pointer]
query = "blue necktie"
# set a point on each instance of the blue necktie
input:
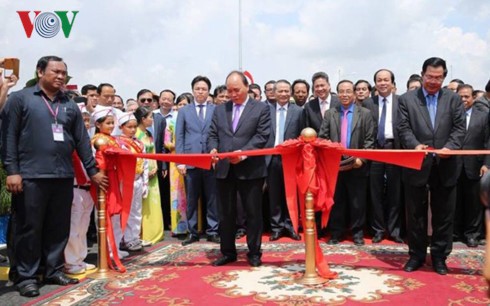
(431, 105)
(381, 126)
(201, 112)
(280, 135)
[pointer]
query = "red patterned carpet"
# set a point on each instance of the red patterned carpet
(170, 274)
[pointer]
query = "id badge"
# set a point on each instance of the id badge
(57, 132)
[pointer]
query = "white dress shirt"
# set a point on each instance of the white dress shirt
(278, 113)
(389, 115)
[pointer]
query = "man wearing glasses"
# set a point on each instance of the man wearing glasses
(431, 117)
(106, 95)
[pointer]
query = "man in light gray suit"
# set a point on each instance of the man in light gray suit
(191, 135)
(431, 117)
(286, 123)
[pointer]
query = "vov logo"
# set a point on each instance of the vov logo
(47, 24)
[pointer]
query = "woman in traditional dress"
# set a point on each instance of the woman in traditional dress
(152, 223)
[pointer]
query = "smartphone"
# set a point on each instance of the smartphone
(12, 64)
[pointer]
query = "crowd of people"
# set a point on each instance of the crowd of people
(52, 140)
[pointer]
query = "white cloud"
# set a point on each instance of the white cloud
(161, 44)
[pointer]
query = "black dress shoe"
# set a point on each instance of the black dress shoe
(223, 261)
(291, 234)
(471, 242)
(333, 240)
(254, 262)
(62, 280)
(413, 265)
(377, 238)
(439, 266)
(190, 240)
(239, 234)
(275, 236)
(397, 239)
(29, 290)
(358, 241)
(213, 238)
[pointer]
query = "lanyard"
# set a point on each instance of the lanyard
(54, 113)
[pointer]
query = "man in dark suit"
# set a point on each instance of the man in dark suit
(239, 125)
(431, 117)
(468, 219)
(270, 98)
(314, 111)
(166, 101)
(159, 125)
(191, 135)
(286, 123)
(385, 179)
(354, 127)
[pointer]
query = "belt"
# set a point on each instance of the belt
(387, 142)
(83, 187)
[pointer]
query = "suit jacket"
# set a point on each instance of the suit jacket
(476, 138)
(313, 116)
(292, 125)
(373, 105)
(362, 131)
(191, 135)
(252, 133)
(415, 128)
(159, 136)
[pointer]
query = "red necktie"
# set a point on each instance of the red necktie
(343, 129)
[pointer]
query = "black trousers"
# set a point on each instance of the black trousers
(201, 183)
(164, 185)
(468, 217)
(279, 214)
(42, 227)
(385, 188)
(350, 204)
(11, 243)
(251, 195)
(442, 204)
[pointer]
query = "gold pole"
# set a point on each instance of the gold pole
(310, 277)
(103, 271)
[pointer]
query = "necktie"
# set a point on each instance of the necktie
(467, 120)
(201, 112)
(343, 129)
(323, 108)
(236, 117)
(431, 104)
(381, 126)
(280, 130)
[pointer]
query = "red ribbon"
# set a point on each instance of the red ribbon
(79, 172)
(306, 165)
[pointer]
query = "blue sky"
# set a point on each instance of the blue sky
(160, 44)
